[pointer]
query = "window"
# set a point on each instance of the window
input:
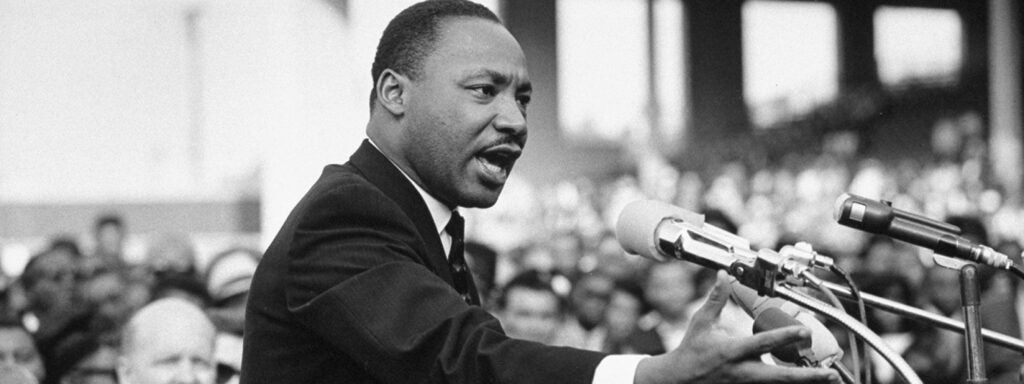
(918, 45)
(604, 86)
(790, 58)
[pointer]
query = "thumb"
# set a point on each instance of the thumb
(717, 298)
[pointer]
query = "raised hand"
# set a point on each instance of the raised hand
(709, 354)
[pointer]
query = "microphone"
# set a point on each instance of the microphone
(881, 218)
(774, 318)
(802, 353)
(769, 313)
(662, 232)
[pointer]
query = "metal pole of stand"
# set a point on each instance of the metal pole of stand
(970, 297)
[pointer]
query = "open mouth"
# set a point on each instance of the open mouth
(498, 160)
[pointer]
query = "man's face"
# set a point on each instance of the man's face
(465, 117)
(531, 315)
(179, 353)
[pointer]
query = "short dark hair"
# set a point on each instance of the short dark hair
(531, 280)
(412, 34)
(108, 219)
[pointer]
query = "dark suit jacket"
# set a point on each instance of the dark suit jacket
(356, 288)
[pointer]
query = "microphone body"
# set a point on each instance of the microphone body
(663, 232)
(823, 348)
(943, 238)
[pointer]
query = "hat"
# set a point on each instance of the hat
(230, 273)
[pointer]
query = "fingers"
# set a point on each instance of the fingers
(716, 299)
(765, 373)
(764, 342)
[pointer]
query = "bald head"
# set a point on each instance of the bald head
(168, 341)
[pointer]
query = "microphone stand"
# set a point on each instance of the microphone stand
(921, 315)
(970, 299)
(857, 327)
(763, 278)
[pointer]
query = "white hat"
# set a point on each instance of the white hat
(230, 274)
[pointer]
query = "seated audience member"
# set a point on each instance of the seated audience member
(66, 243)
(935, 354)
(588, 301)
(530, 309)
(48, 282)
(167, 341)
(897, 331)
(94, 366)
(109, 234)
(670, 290)
(625, 308)
(18, 354)
(79, 353)
(171, 253)
(186, 287)
(228, 276)
(107, 293)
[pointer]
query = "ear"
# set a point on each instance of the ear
(391, 91)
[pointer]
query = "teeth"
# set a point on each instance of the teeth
(491, 167)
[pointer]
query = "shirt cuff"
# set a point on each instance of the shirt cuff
(617, 369)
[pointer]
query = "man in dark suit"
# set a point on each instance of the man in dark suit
(359, 285)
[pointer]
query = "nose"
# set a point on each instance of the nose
(511, 118)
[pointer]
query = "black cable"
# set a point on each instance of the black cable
(1017, 271)
(862, 315)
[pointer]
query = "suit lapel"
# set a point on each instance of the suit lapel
(382, 173)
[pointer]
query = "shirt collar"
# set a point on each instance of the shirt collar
(439, 212)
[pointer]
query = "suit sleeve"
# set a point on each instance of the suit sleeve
(356, 278)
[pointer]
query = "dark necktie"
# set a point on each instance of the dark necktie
(456, 259)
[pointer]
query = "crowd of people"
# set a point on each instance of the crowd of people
(565, 282)
(74, 316)
(584, 292)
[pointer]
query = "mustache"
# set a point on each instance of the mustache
(514, 139)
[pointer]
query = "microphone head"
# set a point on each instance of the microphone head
(637, 227)
(864, 214)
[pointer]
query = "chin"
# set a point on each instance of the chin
(482, 198)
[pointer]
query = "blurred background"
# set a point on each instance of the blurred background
(149, 134)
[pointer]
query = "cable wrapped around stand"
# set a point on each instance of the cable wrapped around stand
(852, 324)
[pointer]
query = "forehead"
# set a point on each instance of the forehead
(466, 44)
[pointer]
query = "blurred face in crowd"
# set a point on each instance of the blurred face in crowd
(670, 289)
(17, 349)
(531, 314)
(109, 240)
(169, 343)
(97, 368)
(590, 298)
(464, 117)
(171, 254)
(108, 293)
(53, 275)
(622, 314)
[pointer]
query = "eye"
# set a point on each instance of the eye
(485, 90)
(523, 100)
